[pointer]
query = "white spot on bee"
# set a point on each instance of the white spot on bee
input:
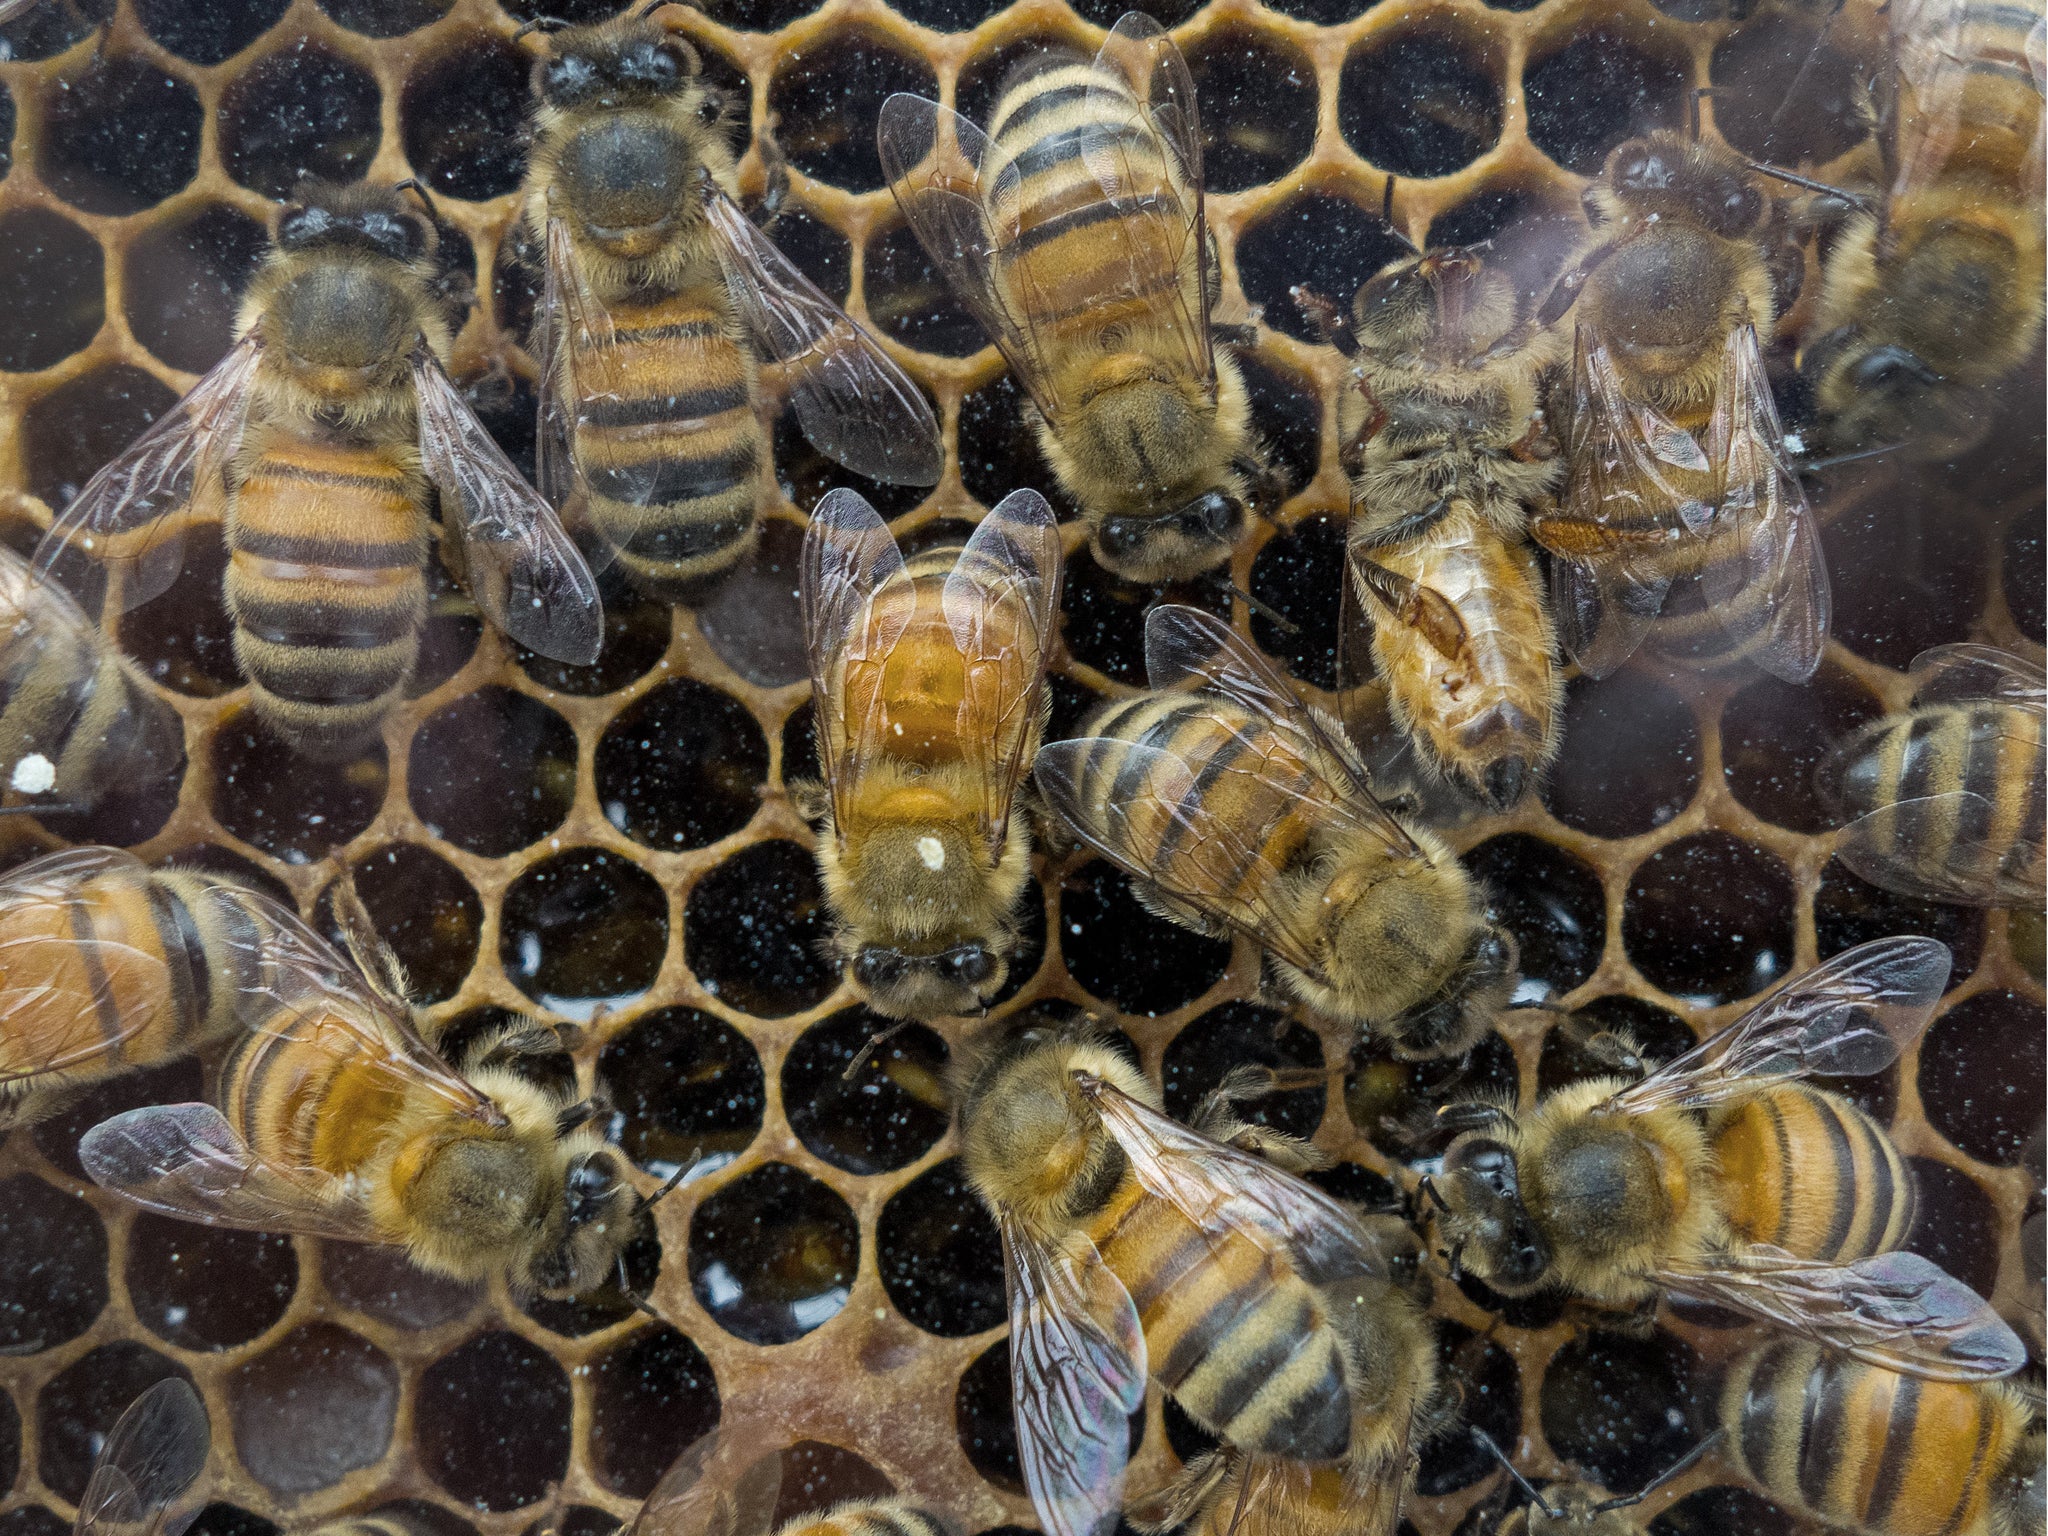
(34, 774)
(932, 852)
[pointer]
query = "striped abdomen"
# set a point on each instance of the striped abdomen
(307, 1091)
(1858, 1446)
(866, 1518)
(326, 582)
(669, 448)
(1805, 1170)
(1239, 1339)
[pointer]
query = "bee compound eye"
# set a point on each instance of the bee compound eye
(1121, 537)
(878, 967)
(590, 1184)
(971, 963)
(568, 80)
(302, 226)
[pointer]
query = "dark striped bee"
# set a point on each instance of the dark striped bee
(1234, 807)
(1723, 1177)
(319, 439)
(1074, 232)
(142, 1471)
(1135, 1246)
(1947, 797)
(662, 304)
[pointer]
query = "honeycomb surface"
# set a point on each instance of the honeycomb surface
(616, 844)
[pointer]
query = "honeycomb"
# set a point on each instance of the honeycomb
(616, 844)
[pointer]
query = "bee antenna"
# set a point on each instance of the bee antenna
(541, 24)
(1271, 614)
(413, 185)
(1387, 218)
(575, 1117)
(1828, 189)
(1692, 110)
(1514, 1472)
(1676, 1469)
(669, 1184)
(874, 1043)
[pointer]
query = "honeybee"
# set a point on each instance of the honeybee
(317, 438)
(1134, 1245)
(929, 683)
(718, 1487)
(1677, 469)
(335, 1119)
(1074, 232)
(76, 719)
(1235, 807)
(1947, 796)
(662, 303)
(1781, 1200)
(1575, 1508)
(1931, 293)
(1863, 1448)
(153, 1454)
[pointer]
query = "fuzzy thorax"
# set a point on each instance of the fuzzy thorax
(911, 883)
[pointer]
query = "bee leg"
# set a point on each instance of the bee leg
(1326, 317)
(1637, 1322)
(1535, 446)
(1186, 1496)
(1216, 1116)
(1235, 335)
(1351, 456)
(1174, 910)
(776, 191)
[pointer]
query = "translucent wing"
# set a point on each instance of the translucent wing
(999, 602)
(523, 570)
(852, 400)
(156, 1451)
(572, 348)
(1222, 1189)
(1896, 1310)
(1077, 1372)
(702, 1495)
(1949, 673)
(849, 558)
(1847, 1017)
(1767, 578)
(1971, 866)
(185, 1160)
(126, 517)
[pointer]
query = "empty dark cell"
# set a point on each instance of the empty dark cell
(1955, 1224)
(983, 77)
(1709, 919)
(33, 1520)
(79, 1405)
(1848, 910)
(681, 767)
(985, 1421)
(949, 15)
(1981, 1067)
(753, 930)
(1550, 902)
(426, 911)
(208, 34)
(939, 1256)
(1300, 574)
(759, 15)
(289, 806)
(491, 1421)
(650, 1397)
(1723, 1511)
(222, 1519)
(128, 813)
(1619, 1407)
(1417, 103)
(800, 744)
(313, 1408)
(816, 1476)
(1103, 618)
(462, 118)
(1394, 1102)
(449, 637)
(1123, 954)
(382, 1283)
(1287, 415)
(583, 929)
(1241, 1034)
(118, 137)
(74, 429)
(7, 116)
(821, 253)
(53, 1265)
(1330, 243)
(998, 452)
(385, 18)
(1782, 94)
(2025, 576)
(829, 95)
(751, 617)
(46, 29)
(909, 301)
(207, 1287)
(1258, 105)
(1657, 1034)
(52, 289)
(1488, 1390)
(1906, 573)
(1526, 235)
(805, 474)
(177, 1082)
(1633, 760)
(1773, 736)
(773, 1254)
(1596, 91)
(576, 13)
(892, 1111)
(1071, 704)
(1105, 13)
(493, 771)
(184, 639)
(1359, 1186)
(182, 283)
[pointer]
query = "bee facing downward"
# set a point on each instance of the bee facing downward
(662, 304)
(320, 436)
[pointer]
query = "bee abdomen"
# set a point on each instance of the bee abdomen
(1809, 1172)
(867, 1519)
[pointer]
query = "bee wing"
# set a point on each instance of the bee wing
(852, 400)
(1223, 1190)
(849, 558)
(126, 517)
(571, 323)
(999, 602)
(1896, 1310)
(185, 1160)
(693, 1500)
(1773, 583)
(1847, 1017)
(1077, 1373)
(1979, 869)
(1396, 599)
(156, 1451)
(963, 212)
(524, 571)
(1949, 673)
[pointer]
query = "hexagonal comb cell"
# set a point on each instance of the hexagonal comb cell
(182, 284)
(51, 289)
(53, 1265)
(773, 1254)
(651, 1396)
(119, 137)
(1419, 101)
(939, 1255)
(686, 1086)
(888, 1114)
(303, 111)
(493, 771)
(313, 1407)
(681, 766)
(583, 929)
(753, 929)
(491, 1422)
(829, 95)
(207, 1287)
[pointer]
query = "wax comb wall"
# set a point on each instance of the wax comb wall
(616, 843)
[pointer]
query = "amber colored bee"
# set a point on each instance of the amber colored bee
(1136, 1247)
(319, 438)
(1074, 232)
(663, 303)
(1723, 1177)
(1862, 1448)
(150, 1458)
(334, 1118)
(1676, 465)
(1235, 807)
(929, 682)
(1947, 796)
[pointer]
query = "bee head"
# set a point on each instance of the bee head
(599, 1208)
(349, 285)
(614, 65)
(1445, 299)
(1193, 537)
(1450, 1022)
(359, 218)
(955, 980)
(1667, 170)
(1483, 1217)
(1886, 396)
